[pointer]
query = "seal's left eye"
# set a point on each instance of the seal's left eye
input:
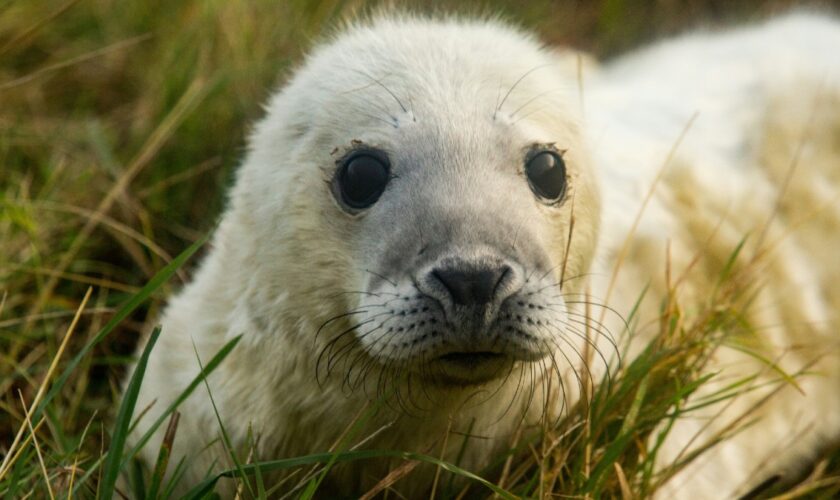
(546, 173)
(362, 179)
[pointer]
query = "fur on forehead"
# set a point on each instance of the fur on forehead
(394, 71)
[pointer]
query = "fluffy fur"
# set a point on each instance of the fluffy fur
(715, 122)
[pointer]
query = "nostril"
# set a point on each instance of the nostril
(471, 286)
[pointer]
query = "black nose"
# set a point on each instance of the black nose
(471, 286)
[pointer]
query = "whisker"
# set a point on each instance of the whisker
(379, 83)
(560, 382)
(362, 352)
(378, 106)
(516, 390)
(562, 352)
(390, 123)
(380, 276)
(559, 284)
(512, 87)
(526, 115)
(529, 101)
(348, 346)
(360, 292)
(597, 327)
(585, 338)
(327, 348)
(336, 318)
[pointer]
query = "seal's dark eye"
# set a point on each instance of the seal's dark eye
(362, 179)
(546, 173)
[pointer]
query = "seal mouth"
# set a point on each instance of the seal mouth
(471, 359)
(464, 368)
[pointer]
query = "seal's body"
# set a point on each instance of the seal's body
(429, 206)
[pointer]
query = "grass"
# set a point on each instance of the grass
(120, 125)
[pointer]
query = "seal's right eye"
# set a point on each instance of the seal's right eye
(362, 179)
(546, 173)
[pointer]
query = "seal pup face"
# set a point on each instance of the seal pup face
(459, 280)
(431, 179)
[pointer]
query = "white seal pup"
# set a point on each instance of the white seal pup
(419, 220)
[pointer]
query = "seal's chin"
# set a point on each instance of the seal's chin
(469, 367)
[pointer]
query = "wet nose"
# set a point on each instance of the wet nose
(471, 286)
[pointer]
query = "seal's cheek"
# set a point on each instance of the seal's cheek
(569, 233)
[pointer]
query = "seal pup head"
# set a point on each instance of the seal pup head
(419, 202)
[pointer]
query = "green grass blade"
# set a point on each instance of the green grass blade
(261, 492)
(729, 266)
(137, 479)
(177, 474)
(205, 487)
(629, 422)
(208, 368)
(84, 478)
(315, 483)
(156, 282)
(118, 437)
(461, 451)
(159, 470)
(785, 376)
(228, 444)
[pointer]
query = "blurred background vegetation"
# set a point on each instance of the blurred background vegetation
(121, 122)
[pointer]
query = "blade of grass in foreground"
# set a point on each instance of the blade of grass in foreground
(118, 437)
(226, 441)
(9, 459)
(313, 485)
(156, 282)
(205, 372)
(159, 471)
(205, 487)
(208, 368)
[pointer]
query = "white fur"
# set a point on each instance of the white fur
(254, 281)
(637, 107)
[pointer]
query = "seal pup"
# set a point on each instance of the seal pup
(419, 219)
(728, 140)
